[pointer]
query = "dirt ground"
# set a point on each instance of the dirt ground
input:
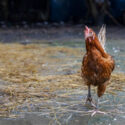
(35, 73)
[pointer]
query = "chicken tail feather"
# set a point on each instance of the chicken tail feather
(102, 36)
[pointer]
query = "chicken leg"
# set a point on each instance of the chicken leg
(89, 97)
(100, 91)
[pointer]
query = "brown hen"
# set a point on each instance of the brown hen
(97, 64)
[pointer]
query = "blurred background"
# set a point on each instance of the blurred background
(93, 12)
(41, 49)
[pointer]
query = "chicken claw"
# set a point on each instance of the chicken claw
(95, 111)
(89, 99)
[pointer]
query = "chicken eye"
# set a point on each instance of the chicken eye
(91, 33)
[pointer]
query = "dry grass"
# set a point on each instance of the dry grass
(24, 69)
(21, 64)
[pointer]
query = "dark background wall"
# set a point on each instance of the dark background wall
(75, 11)
(18, 10)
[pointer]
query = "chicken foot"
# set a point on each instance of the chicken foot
(96, 110)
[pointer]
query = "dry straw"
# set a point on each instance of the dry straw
(29, 74)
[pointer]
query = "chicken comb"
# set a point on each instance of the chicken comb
(102, 36)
